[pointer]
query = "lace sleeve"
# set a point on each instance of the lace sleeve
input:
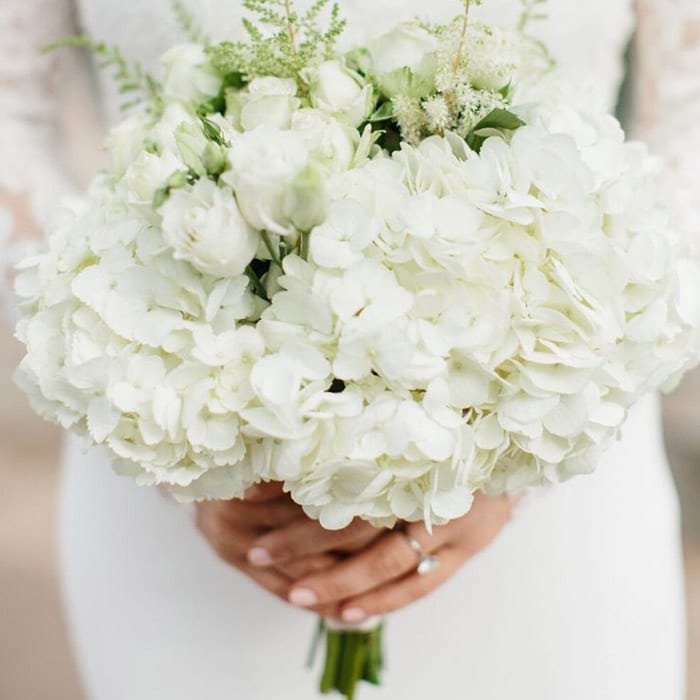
(31, 175)
(669, 99)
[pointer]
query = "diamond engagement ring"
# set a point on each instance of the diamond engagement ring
(427, 563)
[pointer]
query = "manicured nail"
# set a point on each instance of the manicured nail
(258, 556)
(303, 597)
(354, 615)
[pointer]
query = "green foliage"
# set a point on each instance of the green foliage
(217, 105)
(497, 120)
(188, 23)
(133, 81)
(500, 119)
(384, 112)
(178, 179)
(533, 10)
(281, 41)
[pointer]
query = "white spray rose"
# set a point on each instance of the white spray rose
(333, 143)
(266, 165)
(188, 74)
(493, 57)
(125, 141)
(204, 226)
(305, 201)
(200, 154)
(403, 60)
(164, 132)
(270, 101)
(146, 175)
(339, 91)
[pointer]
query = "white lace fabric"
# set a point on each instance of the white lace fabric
(668, 49)
(31, 85)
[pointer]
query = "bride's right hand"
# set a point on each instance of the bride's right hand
(231, 528)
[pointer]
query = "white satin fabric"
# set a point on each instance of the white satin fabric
(579, 599)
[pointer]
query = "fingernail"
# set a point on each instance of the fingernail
(354, 615)
(303, 597)
(258, 556)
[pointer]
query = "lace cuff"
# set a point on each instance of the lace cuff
(31, 86)
(668, 49)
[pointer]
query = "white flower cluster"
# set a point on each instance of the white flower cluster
(265, 294)
(449, 78)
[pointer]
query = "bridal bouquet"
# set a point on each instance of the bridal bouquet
(386, 278)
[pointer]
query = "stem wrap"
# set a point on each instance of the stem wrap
(353, 654)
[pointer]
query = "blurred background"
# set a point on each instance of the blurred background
(35, 659)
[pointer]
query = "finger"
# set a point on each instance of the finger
(361, 542)
(389, 558)
(229, 540)
(301, 568)
(402, 593)
(304, 537)
(262, 514)
(265, 491)
(272, 581)
(278, 584)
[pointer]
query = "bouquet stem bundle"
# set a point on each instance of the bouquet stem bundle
(353, 656)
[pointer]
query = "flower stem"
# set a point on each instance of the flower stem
(351, 657)
(462, 40)
(271, 249)
(305, 237)
(290, 26)
(256, 282)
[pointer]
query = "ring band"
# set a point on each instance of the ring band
(427, 563)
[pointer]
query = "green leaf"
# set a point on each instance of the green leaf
(505, 91)
(500, 119)
(178, 179)
(235, 79)
(384, 112)
(213, 132)
(161, 197)
(406, 83)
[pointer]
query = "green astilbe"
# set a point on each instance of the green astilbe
(282, 42)
(188, 23)
(134, 82)
(533, 10)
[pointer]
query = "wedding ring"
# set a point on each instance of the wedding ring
(427, 563)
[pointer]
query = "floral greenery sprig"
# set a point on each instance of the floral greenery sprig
(461, 84)
(133, 81)
(295, 42)
(459, 53)
(532, 11)
(188, 23)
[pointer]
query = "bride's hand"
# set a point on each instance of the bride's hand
(383, 577)
(268, 537)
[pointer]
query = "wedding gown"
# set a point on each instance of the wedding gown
(579, 599)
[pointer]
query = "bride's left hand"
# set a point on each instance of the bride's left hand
(383, 577)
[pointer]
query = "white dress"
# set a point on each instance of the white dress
(581, 598)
